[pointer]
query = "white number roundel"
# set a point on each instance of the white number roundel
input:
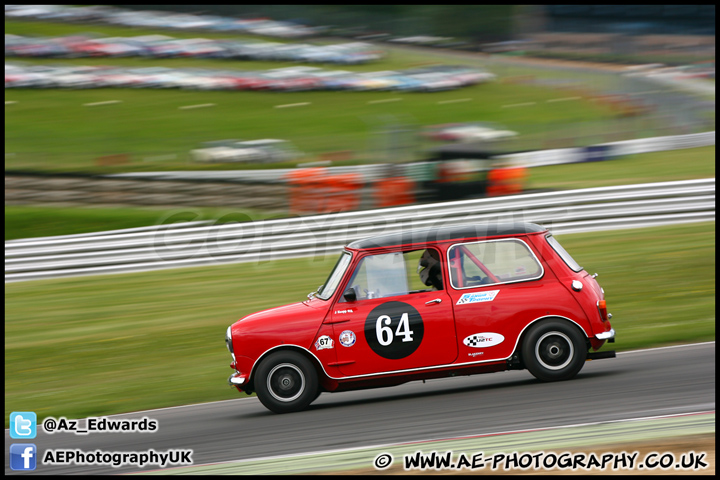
(394, 330)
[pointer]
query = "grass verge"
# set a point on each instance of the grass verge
(66, 131)
(667, 166)
(23, 221)
(51, 130)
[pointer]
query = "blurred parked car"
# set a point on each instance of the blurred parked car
(467, 132)
(296, 78)
(252, 151)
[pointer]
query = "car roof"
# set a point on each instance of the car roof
(454, 232)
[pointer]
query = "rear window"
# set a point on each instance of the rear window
(569, 261)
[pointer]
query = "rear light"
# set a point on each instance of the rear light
(602, 308)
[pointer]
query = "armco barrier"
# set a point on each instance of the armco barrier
(558, 156)
(627, 206)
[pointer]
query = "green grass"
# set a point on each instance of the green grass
(659, 282)
(109, 344)
(667, 166)
(23, 221)
(38, 28)
(51, 130)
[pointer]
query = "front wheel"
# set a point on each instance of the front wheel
(286, 382)
(554, 350)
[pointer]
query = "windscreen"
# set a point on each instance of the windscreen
(331, 284)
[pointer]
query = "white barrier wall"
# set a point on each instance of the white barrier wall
(609, 150)
(166, 246)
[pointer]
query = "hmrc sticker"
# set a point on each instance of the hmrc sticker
(482, 340)
(477, 297)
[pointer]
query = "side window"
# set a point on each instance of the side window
(397, 273)
(492, 262)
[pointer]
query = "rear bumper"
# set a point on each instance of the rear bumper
(601, 355)
(609, 336)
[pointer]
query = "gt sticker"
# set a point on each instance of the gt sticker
(347, 338)
(477, 297)
(324, 342)
(482, 340)
(394, 330)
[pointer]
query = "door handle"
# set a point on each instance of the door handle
(437, 300)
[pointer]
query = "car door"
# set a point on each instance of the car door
(395, 323)
(497, 288)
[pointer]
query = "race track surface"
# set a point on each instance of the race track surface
(635, 384)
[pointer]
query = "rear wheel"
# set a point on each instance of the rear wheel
(286, 382)
(554, 350)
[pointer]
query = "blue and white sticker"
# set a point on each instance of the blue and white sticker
(324, 342)
(482, 340)
(347, 338)
(477, 297)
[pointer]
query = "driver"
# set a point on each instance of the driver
(429, 269)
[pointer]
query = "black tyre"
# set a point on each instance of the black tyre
(286, 382)
(319, 391)
(554, 350)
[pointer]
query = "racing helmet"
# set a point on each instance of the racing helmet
(429, 269)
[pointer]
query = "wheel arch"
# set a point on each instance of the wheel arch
(287, 347)
(523, 334)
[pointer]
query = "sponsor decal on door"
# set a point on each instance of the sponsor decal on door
(482, 340)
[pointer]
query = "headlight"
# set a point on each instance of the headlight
(228, 341)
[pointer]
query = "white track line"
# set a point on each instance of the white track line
(200, 105)
(287, 105)
(107, 102)
(385, 100)
(513, 105)
(564, 99)
(458, 100)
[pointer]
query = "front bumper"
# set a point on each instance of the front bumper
(237, 379)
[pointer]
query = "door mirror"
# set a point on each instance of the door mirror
(349, 294)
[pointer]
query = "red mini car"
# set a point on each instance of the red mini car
(426, 304)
